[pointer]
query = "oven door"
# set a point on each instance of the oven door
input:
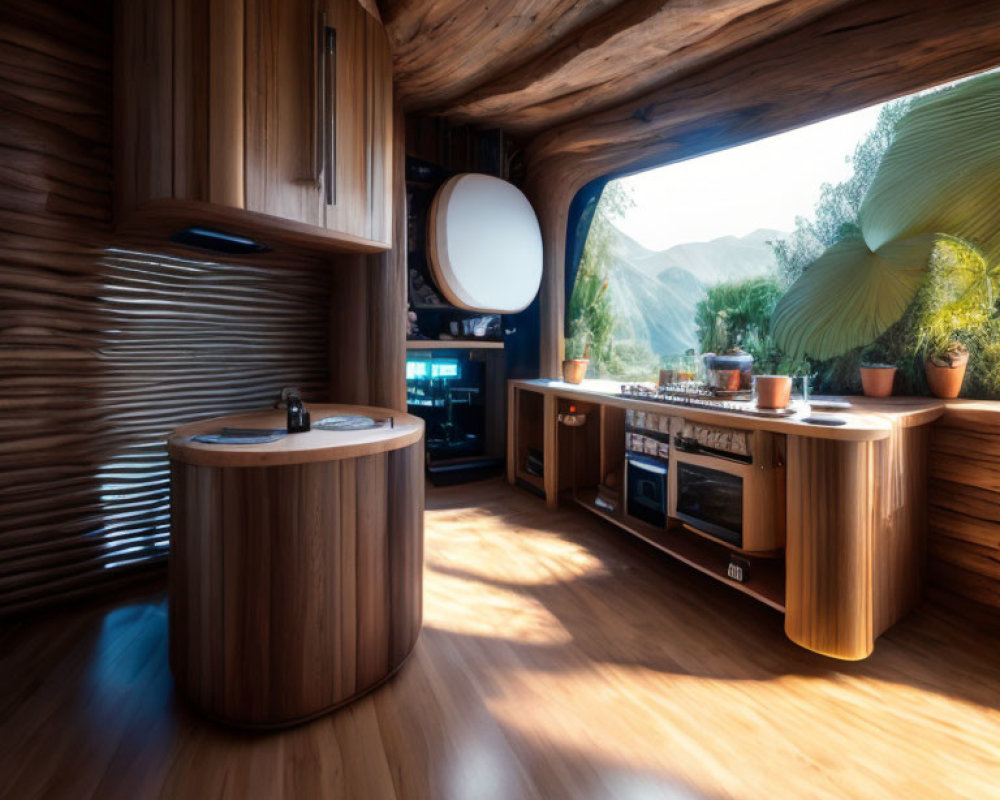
(646, 489)
(708, 495)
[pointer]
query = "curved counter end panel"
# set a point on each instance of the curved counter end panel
(294, 588)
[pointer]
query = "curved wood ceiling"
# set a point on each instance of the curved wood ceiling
(533, 64)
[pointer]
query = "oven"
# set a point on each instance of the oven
(646, 490)
(727, 484)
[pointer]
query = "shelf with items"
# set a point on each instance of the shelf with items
(452, 344)
(528, 439)
(767, 576)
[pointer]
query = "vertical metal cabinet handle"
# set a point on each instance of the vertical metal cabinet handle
(319, 113)
(330, 112)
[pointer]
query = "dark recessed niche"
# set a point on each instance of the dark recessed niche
(218, 242)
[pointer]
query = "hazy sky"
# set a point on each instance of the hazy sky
(764, 184)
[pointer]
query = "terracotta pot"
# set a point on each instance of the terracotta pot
(946, 382)
(877, 381)
(574, 369)
(773, 391)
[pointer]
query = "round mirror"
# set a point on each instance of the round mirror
(484, 244)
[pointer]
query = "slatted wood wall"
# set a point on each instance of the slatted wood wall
(106, 344)
(964, 546)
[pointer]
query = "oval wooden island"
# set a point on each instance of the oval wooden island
(295, 565)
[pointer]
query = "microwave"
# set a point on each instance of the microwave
(646, 489)
(728, 485)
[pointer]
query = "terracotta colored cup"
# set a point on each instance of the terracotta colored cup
(773, 391)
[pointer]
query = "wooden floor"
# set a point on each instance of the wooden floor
(559, 659)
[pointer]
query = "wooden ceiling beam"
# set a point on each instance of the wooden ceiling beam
(862, 54)
(626, 51)
(442, 49)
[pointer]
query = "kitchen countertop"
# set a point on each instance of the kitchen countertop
(295, 448)
(868, 419)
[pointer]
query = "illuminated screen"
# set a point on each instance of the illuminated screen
(417, 370)
(447, 368)
(432, 368)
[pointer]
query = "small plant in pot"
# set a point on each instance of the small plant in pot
(574, 368)
(877, 372)
(945, 365)
(727, 365)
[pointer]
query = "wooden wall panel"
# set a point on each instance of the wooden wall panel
(368, 309)
(964, 545)
(107, 343)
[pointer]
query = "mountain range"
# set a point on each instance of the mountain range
(654, 293)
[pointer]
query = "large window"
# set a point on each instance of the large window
(710, 254)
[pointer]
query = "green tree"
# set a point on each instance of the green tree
(738, 314)
(837, 211)
(591, 318)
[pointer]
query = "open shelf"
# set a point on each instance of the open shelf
(452, 344)
(767, 576)
(532, 480)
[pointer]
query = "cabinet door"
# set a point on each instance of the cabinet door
(282, 96)
(345, 134)
(380, 136)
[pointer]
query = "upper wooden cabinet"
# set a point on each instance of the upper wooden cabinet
(268, 118)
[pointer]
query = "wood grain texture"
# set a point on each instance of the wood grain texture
(236, 83)
(851, 514)
(295, 588)
(541, 62)
(300, 448)
(625, 52)
(557, 658)
(964, 518)
(868, 419)
(107, 342)
(857, 539)
(368, 310)
(275, 97)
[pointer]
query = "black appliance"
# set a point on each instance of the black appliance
(711, 500)
(646, 489)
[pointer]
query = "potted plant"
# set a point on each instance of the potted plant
(877, 372)
(945, 366)
(727, 365)
(574, 368)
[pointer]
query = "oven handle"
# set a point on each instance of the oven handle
(645, 465)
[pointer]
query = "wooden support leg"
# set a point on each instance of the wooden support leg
(511, 434)
(550, 440)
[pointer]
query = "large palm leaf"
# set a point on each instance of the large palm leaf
(940, 175)
(942, 171)
(847, 298)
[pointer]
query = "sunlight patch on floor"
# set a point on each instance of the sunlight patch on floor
(471, 607)
(586, 711)
(542, 556)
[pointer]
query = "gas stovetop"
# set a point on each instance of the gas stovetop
(696, 395)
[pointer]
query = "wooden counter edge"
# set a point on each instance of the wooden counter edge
(407, 430)
(922, 411)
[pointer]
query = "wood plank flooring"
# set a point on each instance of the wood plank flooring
(560, 659)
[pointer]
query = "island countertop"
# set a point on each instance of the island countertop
(295, 448)
(868, 419)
